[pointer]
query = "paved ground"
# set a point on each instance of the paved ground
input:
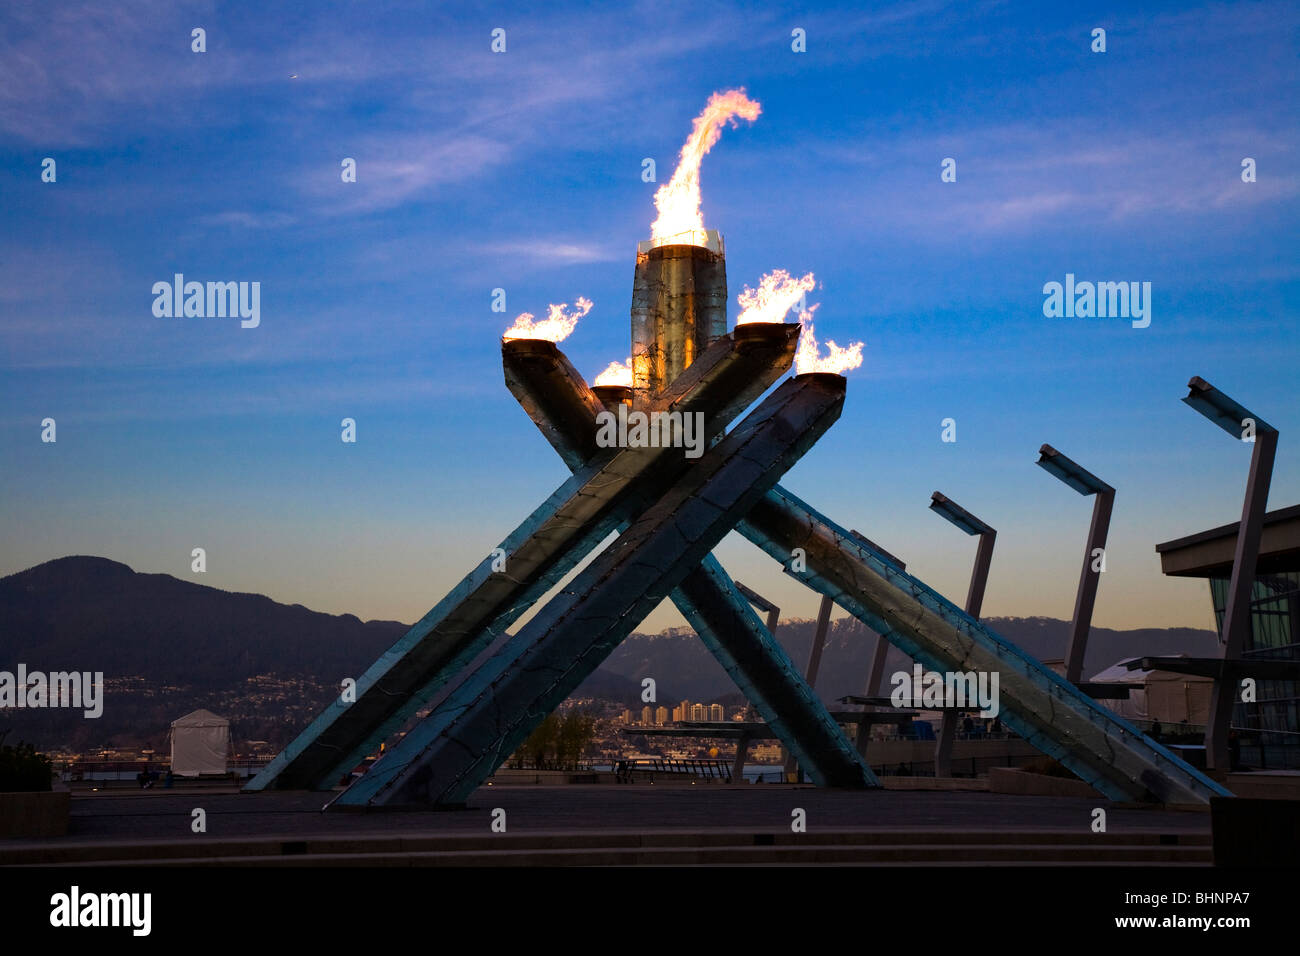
(155, 814)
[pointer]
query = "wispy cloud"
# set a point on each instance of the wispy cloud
(397, 168)
(247, 219)
(554, 249)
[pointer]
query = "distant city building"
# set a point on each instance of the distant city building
(647, 715)
(717, 712)
(699, 712)
(661, 715)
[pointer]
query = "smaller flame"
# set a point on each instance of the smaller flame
(777, 294)
(618, 373)
(556, 327)
(839, 360)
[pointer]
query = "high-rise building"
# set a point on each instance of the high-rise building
(717, 712)
(699, 712)
(661, 715)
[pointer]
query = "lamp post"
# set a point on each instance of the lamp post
(967, 522)
(1094, 553)
(1240, 423)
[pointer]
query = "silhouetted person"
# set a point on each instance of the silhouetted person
(1156, 731)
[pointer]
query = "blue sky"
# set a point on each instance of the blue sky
(522, 171)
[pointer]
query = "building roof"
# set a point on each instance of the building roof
(1208, 554)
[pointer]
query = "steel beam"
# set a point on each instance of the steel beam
(1086, 597)
(979, 577)
(715, 606)
(793, 767)
(1236, 615)
(468, 735)
(876, 671)
(612, 487)
(1086, 483)
(764, 673)
(1042, 707)
(763, 604)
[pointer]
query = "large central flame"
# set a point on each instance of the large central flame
(678, 200)
(556, 327)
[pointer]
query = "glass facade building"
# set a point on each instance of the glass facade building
(1270, 726)
(1266, 731)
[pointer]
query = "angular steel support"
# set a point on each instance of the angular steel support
(875, 677)
(551, 391)
(1044, 708)
(763, 604)
(793, 767)
(979, 577)
(469, 734)
(1236, 615)
(760, 668)
(1085, 483)
(876, 670)
(613, 487)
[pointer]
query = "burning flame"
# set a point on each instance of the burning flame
(678, 200)
(839, 360)
(777, 294)
(556, 327)
(618, 373)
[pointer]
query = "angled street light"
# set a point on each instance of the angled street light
(1242, 424)
(810, 674)
(763, 604)
(1094, 553)
(963, 519)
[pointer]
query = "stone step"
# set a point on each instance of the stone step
(883, 854)
(952, 842)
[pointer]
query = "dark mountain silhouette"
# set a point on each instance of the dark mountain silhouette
(168, 646)
(684, 670)
(92, 614)
(192, 645)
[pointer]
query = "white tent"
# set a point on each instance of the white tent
(200, 744)
(1166, 696)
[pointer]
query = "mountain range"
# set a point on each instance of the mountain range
(168, 646)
